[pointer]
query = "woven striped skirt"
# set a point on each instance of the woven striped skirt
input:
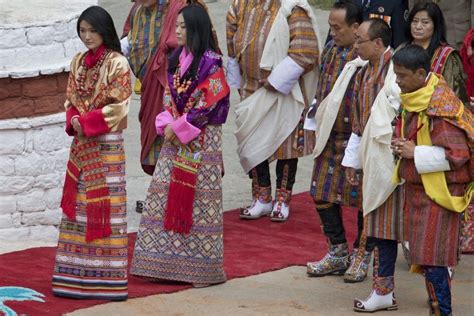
(196, 257)
(432, 232)
(387, 221)
(96, 269)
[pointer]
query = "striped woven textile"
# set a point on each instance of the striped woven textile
(433, 232)
(143, 36)
(98, 269)
(369, 81)
(196, 257)
(248, 25)
(328, 182)
(387, 221)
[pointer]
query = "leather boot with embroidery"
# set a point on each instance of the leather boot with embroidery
(281, 206)
(376, 302)
(382, 296)
(336, 261)
(261, 206)
(357, 271)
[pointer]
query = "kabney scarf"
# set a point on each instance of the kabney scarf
(329, 107)
(436, 99)
(179, 209)
(85, 158)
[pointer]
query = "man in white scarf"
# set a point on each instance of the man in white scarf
(376, 108)
(329, 188)
(273, 58)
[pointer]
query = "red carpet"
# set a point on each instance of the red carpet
(251, 247)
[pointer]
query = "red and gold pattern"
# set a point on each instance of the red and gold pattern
(200, 97)
(88, 76)
(178, 216)
(99, 96)
(85, 157)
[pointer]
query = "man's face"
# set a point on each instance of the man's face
(343, 34)
(409, 80)
(363, 43)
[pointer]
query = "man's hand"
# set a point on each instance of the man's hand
(351, 176)
(77, 126)
(403, 148)
(267, 85)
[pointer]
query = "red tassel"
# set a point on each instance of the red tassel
(83, 159)
(97, 220)
(179, 210)
(98, 214)
(68, 200)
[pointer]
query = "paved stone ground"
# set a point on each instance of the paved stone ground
(283, 292)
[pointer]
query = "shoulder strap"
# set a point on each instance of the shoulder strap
(439, 58)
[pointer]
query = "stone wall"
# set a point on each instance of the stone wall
(24, 49)
(38, 39)
(33, 157)
(41, 95)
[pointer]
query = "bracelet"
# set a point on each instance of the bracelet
(75, 116)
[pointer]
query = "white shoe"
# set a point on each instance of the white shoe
(376, 302)
(280, 212)
(256, 210)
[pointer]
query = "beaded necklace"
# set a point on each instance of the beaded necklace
(86, 87)
(180, 86)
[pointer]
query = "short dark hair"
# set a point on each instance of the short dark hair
(413, 57)
(436, 15)
(102, 22)
(353, 11)
(378, 28)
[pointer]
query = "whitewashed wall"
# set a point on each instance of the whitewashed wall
(37, 37)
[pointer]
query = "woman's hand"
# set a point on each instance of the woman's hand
(169, 134)
(173, 139)
(77, 126)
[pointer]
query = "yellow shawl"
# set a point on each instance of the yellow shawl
(434, 183)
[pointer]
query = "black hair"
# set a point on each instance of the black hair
(102, 22)
(413, 57)
(436, 15)
(199, 37)
(353, 11)
(378, 28)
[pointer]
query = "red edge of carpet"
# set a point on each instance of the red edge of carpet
(250, 247)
